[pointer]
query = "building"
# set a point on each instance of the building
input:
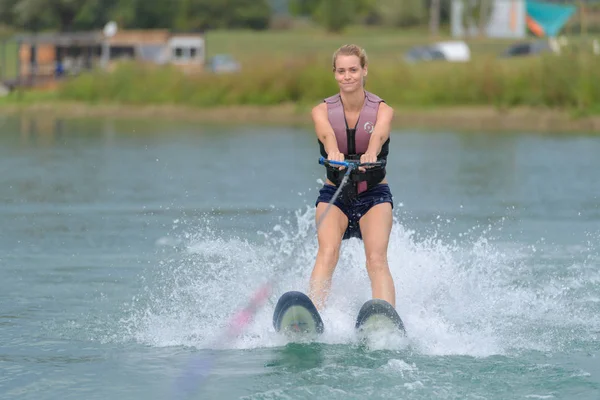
(45, 57)
(509, 18)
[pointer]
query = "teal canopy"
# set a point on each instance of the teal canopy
(550, 17)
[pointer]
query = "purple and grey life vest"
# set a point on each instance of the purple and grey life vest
(364, 126)
(353, 142)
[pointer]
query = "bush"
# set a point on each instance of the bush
(567, 81)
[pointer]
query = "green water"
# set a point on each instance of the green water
(126, 246)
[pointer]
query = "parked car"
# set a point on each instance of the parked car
(527, 49)
(452, 51)
(223, 63)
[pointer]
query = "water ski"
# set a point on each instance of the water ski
(296, 316)
(378, 315)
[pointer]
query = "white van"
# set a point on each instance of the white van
(452, 51)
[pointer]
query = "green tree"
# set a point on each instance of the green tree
(27, 16)
(63, 15)
(145, 14)
(304, 7)
(7, 15)
(395, 13)
(211, 14)
(334, 15)
(67, 15)
(93, 14)
(253, 14)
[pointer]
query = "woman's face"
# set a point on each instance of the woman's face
(349, 74)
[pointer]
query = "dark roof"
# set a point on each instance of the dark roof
(91, 38)
(79, 38)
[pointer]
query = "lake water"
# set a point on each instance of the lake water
(126, 246)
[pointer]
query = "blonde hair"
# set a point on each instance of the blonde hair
(351, 50)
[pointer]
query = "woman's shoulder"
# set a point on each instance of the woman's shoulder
(385, 110)
(385, 106)
(373, 98)
(319, 109)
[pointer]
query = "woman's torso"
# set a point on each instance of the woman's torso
(352, 120)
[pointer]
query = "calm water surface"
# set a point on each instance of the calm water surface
(126, 246)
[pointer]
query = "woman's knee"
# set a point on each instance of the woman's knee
(329, 252)
(376, 260)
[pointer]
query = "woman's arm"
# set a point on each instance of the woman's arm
(380, 134)
(325, 132)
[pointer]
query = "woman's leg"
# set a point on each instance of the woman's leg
(330, 235)
(375, 227)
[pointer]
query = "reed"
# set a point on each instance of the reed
(566, 81)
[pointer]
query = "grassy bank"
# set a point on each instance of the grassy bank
(566, 82)
(474, 118)
(287, 72)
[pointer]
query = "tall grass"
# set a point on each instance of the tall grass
(568, 81)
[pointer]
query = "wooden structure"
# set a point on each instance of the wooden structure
(45, 57)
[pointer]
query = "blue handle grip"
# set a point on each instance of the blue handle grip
(324, 161)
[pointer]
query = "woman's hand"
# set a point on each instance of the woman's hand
(336, 156)
(367, 158)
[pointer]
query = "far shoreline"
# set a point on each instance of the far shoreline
(462, 118)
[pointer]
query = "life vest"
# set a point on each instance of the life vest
(353, 142)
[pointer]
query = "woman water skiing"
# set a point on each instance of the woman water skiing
(353, 125)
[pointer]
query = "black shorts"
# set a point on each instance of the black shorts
(358, 206)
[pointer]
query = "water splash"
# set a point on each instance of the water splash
(478, 297)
